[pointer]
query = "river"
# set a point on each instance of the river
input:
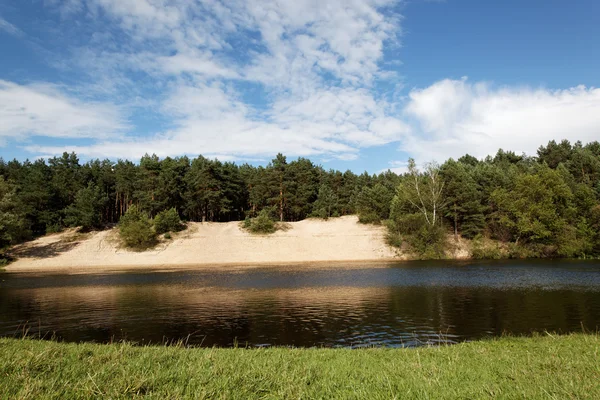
(397, 304)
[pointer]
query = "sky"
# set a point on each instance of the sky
(351, 84)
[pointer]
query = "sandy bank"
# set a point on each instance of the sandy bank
(206, 245)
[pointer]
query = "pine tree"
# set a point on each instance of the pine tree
(464, 201)
(87, 209)
(11, 222)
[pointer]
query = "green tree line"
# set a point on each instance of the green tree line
(548, 203)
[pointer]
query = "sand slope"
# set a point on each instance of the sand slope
(202, 244)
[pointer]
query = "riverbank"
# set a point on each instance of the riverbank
(208, 245)
(539, 367)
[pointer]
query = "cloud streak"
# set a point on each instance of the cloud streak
(45, 110)
(9, 28)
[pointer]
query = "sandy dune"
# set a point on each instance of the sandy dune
(209, 244)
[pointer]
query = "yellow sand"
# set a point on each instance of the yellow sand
(205, 245)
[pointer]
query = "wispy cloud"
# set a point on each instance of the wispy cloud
(45, 110)
(316, 62)
(9, 28)
(396, 166)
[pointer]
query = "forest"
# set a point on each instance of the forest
(510, 205)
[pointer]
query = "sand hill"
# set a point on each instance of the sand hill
(208, 244)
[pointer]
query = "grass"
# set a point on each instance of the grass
(543, 367)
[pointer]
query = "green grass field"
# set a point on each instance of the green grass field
(544, 367)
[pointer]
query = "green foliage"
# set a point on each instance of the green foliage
(301, 190)
(555, 153)
(464, 209)
(214, 191)
(167, 221)
(420, 193)
(86, 210)
(429, 242)
(539, 212)
(425, 241)
(415, 213)
(261, 224)
(373, 204)
(11, 222)
(325, 203)
(482, 249)
(136, 230)
(542, 206)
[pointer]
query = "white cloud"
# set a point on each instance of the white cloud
(303, 38)
(455, 117)
(44, 110)
(313, 64)
(397, 167)
(209, 119)
(66, 7)
(194, 63)
(315, 61)
(9, 28)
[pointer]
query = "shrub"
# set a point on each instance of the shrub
(520, 251)
(369, 218)
(167, 221)
(425, 241)
(410, 224)
(320, 213)
(483, 249)
(4, 260)
(261, 223)
(394, 239)
(136, 230)
(429, 242)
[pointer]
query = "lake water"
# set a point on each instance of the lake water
(400, 304)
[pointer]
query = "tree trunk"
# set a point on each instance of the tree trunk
(281, 199)
(455, 224)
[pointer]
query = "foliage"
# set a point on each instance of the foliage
(261, 224)
(86, 210)
(464, 210)
(539, 367)
(416, 209)
(485, 249)
(373, 203)
(136, 230)
(539, 211)
(167, 221)
(429, 242)
(422, 192)
(11, 222)
(540, 206)
(325, 203)
(424, 240)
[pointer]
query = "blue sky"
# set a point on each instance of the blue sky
(350, 84)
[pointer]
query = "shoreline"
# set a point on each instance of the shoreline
(210, 246)
(232, 266)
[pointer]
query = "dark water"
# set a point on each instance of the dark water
(403, 304)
